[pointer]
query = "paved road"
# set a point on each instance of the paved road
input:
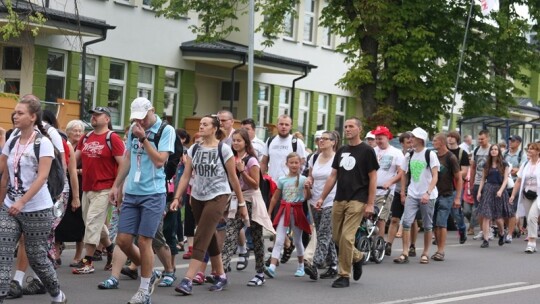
(469, 275)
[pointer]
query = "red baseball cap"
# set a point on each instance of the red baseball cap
(382, 130)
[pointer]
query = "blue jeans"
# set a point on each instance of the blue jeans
(443, 207)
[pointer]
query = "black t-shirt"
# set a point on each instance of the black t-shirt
(464, 161)
(353, 163)
(449, 167)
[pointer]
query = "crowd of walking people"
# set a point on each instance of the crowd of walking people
(157, 192)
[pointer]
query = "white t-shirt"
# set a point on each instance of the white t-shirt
(278, 150)
(209, 176)
(259, 146)
(55, 137)
(420, 173)
(27, 175)
(390, 159)
(320, 174)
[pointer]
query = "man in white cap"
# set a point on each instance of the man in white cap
(419, 192)
(370, 139)
(145, 194)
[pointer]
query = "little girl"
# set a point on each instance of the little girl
(292, 192)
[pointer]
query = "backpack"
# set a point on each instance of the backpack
(171, 165)
(520, 154)
(55, 180)
(107, 138)
(306, 170)
(294, 142)
(265, 184)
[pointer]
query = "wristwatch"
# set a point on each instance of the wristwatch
(142, 139)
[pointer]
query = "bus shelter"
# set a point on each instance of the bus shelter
(501, 128)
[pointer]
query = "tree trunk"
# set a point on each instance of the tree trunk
(370, 48)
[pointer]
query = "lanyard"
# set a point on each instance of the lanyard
(18, 156)
(139, 151)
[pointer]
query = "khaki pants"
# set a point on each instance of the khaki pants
(346, 217)
(95, 206)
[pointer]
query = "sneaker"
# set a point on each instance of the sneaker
(388, 249)
(63, 301)
(508, 239)
(530, 249)
(299, 272)
(485, 244)
(269, 272)
(330, 273)
(311, 271)
(34, 287)
(134, 274)
(357, 268)
(462, 237)
(88, 267)
(479, 236)
(501, 239)
(168, 279)
(219, 284)
(412, 251)
(110, 283)
(184, 287)
(77, 264)
(156, 275)
(210, 278)
(341, 282)
(140, 297)
(15, 290)
(199, 278)
(98, 256)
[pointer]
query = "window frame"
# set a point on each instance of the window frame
(54, 73)
(9, 75)
(263, 104)
(146, 86)
(304, 106)
(341, 112)
(123, 84)
(311, 15)
(289, 19)
(284, 107)
(90, 78)
(173, 90)
(321, 110)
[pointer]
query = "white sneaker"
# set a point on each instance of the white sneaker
(508, 239)
(479, 236)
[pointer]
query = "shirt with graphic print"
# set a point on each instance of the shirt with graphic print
(209, 176)
(390, 159)
(151, 180)
(27, 172)
(480, 159)
(290, 192)
(421, 174)
(445, 179)
(277, 152)
(353, 164)
(99, 166)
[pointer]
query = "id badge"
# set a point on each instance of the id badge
(137, 176)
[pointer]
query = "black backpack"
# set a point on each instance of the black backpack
(174, 158)
(107, 138)
(428, 161)
(55, 180)
(264, 184)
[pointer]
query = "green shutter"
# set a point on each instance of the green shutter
(72, 77)
(41, 55)
(104, 72)
(159, 90)
(187, 95)
(131, 90)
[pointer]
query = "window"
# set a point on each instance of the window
(284, 101)
(288, 26)
(263, 103)
(322, 111)
(56, 76)
(10, 71)
(340, 114)
(145, 84)
(309, 20)
(303, 113)
(226, 92)
(327, 39)
(90, 84)
(147, 3)
(170, 99)
(117, 92)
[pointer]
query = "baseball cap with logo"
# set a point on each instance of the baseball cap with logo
(382, 130)
(140, 107)
(420, 133)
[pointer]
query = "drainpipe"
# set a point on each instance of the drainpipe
(83, 70)
(233, 74)
(306, 72)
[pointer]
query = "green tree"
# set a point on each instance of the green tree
(403, 54)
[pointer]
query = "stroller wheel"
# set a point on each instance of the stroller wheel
(363, 244)
(377, 249)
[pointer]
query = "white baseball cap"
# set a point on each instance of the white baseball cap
(319, 133)
(370, 135)
(140, 107)
(420, 133)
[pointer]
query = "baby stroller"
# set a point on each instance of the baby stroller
(367, 239)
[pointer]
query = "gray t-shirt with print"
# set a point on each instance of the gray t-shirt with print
(209, 175)
(480, 159)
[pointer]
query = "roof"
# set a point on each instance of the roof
(59, 19)
(225, 50)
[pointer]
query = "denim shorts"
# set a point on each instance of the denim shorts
(141, 214)
(443, 207)
(412, 206)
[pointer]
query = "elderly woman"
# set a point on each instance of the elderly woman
(527, 184)
(71, 228)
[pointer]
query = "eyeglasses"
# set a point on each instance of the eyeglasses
(224, 120)
(325, 138)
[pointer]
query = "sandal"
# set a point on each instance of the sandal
(424, 259)
(438, 256)
(287, 252)
(241, 265)
(258, 280)
(402, 259)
